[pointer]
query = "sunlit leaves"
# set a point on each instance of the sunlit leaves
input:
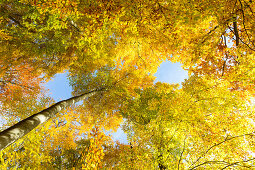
(17, 83)
(184, 124)
(117, 46)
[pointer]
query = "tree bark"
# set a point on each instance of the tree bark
(236, 33)
(15, 132)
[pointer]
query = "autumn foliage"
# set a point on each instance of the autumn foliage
(116, 47)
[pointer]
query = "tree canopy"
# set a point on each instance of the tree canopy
(111, 50)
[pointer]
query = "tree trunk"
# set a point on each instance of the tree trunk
(15, 132)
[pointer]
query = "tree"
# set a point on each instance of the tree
(119, 45)
(20, 129)
(195, 126)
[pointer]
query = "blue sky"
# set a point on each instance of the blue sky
(171, 73)
(59, 88)
(168, 72)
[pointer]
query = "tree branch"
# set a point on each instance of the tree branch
(241, 39)
(242, 10)
(27, 87)
(236, 33)
(235, 163)
(217, 144)
(182, 152)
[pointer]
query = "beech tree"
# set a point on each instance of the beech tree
(20, 129)
(208, 122)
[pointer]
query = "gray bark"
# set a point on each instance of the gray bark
(15, 132)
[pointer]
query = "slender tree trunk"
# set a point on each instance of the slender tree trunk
(23, 127)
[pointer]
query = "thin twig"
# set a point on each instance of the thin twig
(241, 40)
(182, 152)
(217, 144)
(235, 163)
(244, 23)
(23, 86)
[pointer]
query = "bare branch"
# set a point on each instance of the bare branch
(182, 152)
(223, 67)
(217, 144)
(210, 162)
(236, 163)
(243, 15)
(241, 39)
